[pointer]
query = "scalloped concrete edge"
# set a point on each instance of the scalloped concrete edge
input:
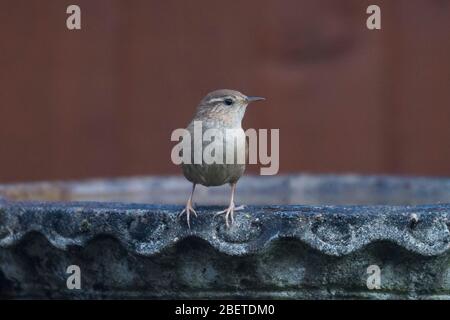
(149, 229)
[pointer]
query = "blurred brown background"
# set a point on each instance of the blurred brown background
(103, 101)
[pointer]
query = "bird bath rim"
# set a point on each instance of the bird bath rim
(132, 249)
(148, 229)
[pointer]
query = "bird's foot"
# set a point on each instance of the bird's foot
(229, 213)
(188, 211)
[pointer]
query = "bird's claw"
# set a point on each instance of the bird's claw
(229, 213)
(188, 210)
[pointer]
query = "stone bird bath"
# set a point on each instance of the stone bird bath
(301, 236)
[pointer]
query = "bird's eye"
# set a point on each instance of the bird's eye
(228, 101)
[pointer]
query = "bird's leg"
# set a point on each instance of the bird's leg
(229, 212)
(189, 207)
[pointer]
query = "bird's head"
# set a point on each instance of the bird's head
(224, 105)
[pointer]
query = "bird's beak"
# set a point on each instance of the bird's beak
(252, 99)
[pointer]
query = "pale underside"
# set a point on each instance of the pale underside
(217, 174)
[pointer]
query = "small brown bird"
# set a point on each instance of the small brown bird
(219, 110)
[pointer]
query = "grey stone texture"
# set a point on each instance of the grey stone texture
(300, 236)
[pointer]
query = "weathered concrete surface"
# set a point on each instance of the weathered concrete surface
(144, 251)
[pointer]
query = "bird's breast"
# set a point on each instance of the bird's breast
(222, 155)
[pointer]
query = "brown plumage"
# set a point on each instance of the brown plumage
(219, 110)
